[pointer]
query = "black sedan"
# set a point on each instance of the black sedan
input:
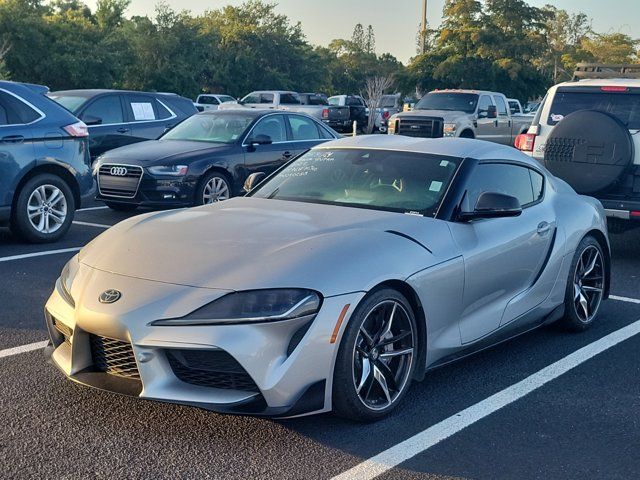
(204, 159)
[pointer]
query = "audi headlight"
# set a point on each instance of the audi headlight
(63, 285)
(252, 306)
(449, 129)
(173, 170)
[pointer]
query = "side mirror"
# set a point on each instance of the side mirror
(259, 140)
(492, 111)
(91, 120)
(493, 205)
(253, 180)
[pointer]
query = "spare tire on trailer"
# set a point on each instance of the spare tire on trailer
(590, 150)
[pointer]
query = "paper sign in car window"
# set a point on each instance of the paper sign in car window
(435, 186)
(143, 111)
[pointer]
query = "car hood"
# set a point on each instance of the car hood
(446, 115)
(145, 153)
(250, 243)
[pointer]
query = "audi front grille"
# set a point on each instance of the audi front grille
(114, 357)
(120, 181)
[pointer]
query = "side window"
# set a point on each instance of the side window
(14, 111)
(266, 98)
(303, 128)
(140, 108)
(289, 99)
(108, 109)
(324, 133)
(483, 105)
(354, 101)
(251, 98)
(162, 112)
(501, 178)
(514, 108)
(501, 106)
(273, 127)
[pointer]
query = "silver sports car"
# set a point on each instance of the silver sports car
(336, 282)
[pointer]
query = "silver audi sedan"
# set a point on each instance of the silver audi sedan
(334, 283)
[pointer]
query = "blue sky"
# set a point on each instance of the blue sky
(396, 21)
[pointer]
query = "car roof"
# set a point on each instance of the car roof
(250, 112)
(450, 147)
(92, 92)
(600, 82)
(466, 90)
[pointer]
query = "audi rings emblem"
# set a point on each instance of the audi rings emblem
(118, 171)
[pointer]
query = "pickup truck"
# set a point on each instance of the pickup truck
(461, 113)
(211, 101)
(357, 112)
(291, 101)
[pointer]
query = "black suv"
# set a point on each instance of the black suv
(118, 117)
(44, 163)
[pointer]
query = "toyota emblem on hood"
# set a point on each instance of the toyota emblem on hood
(109, 296)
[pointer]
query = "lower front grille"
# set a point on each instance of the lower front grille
(66, 332)
(210, 368)
(114, 357)
(420, 127)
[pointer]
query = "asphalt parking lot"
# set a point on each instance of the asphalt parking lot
(580, 424)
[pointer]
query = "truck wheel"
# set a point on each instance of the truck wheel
(590, 150)
(467, 134)
(43, 210)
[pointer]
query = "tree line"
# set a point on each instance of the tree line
(504, 45)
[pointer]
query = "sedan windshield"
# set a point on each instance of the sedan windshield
(378, 179)
(215, 128)
(458, 102)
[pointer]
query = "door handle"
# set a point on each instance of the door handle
(543, 227)
(287, 155)
(123, 130)
(13, 139)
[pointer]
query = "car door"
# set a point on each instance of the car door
(503, 257)
(305, 133)
(106, 121)
(502, 122)
(486, 129)
(16, 142)
(268, 157)
(143, 114)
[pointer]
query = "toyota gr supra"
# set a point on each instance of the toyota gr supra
(334, 283)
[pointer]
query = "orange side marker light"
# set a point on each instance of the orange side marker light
(336, 329)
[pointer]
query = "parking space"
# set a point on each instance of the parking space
(581, 423)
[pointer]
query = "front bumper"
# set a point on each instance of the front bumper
(162, 192)
(287, 381)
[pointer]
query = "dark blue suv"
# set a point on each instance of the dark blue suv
(44, 163)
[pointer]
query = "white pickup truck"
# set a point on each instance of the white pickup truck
(286, 100)
(211, 101)
(461, 113)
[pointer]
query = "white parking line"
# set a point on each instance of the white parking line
(89, 224)
(39, 254)
(624, 299)
(91, 208)
(8, 352)
(433, 435)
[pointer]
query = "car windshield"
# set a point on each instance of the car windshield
(226, 98)
(458, 102)
(377, 179)
(70, 102)
(217, 128)
(624, 106)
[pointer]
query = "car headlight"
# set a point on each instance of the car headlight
(174, 170)
(252, 306)
(449, 129)
(391, 125)
(63, 285)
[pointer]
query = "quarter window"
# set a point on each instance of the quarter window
(273, 127)
(520, 182)
(108, 109)
(14, 111)
(162, 111)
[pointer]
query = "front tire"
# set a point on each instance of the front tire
(44, 209)
(214, 187)
(585, 287)
(376, 358)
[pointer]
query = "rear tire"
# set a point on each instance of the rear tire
(44, 209)
(121, 207)
(585, 286)
(373, 373)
